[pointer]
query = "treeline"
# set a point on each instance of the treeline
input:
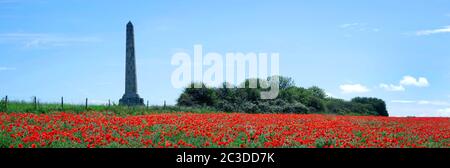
(291, 99)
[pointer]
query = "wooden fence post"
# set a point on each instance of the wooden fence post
(35, 102)
(62, 103)
(86, 103)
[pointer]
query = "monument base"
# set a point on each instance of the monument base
(131, 101)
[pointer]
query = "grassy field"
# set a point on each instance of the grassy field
(46, 108)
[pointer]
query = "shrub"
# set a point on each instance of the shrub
(292, 99)
(298, 108)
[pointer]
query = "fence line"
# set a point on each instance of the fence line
(35, 103)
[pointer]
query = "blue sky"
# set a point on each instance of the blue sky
(394, 50)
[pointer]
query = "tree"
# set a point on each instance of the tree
(185, 100)
(284, 82)
(203, 96)
(298, 108)
(294, 94)
(317, 92)
(378, 105)
(336, 106)
(315, 104)
(226, 92)
(249, 93)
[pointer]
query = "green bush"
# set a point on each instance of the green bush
(298, 108)
(292, 99)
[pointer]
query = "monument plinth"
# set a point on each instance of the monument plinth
(131, 97)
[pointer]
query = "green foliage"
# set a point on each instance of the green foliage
(198, 96)
(337, 106)
(378, 105)
(46, 108)
(321, 143)
(284, 82)
(296, 108)
(361, 106)
(291, 99)
(317, 92)
(315, 104)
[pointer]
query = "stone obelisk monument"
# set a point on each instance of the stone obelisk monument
(131, 97)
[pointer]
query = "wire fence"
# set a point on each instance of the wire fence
(35, 106)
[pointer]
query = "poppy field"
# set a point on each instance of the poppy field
(219, 130)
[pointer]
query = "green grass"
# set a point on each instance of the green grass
(46, 108)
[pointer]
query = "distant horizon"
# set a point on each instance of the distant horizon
(380, 49)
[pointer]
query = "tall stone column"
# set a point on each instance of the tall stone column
(131, 97)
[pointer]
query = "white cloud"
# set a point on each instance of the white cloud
(434, 103)
(445, 29)
(412, 81)
(353, 88)
(444, 112)
(392, 88)
(37, 40)
(423, 102)
(404, 101)
(7, 69)
(348, 25)
(406, 81)
(361, 27)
